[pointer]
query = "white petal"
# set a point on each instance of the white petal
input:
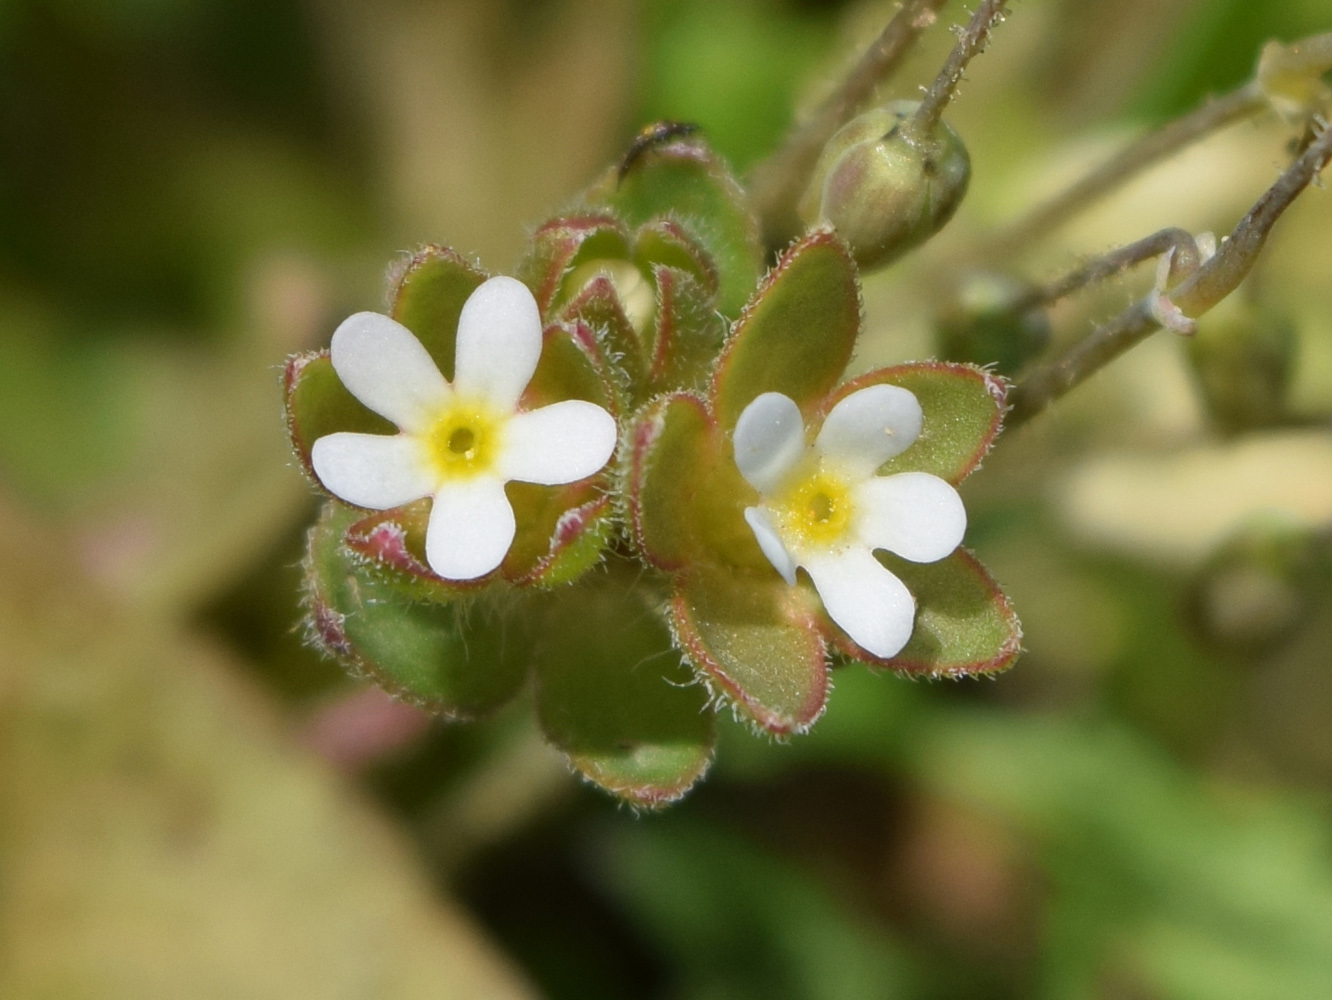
(771, 543)
(871, 605)
(387, 369)
(499, 342)
(769, 439)
(471, 528)
(560, 443)
(916, 515)
(378, 471)
(870, 426)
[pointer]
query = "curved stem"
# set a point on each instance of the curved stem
(1211, 283)
(1115, 262)
(778, 182)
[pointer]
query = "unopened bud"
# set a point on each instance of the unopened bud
(1290, 76)
(884, 189)
(985, 323)
(637, 296)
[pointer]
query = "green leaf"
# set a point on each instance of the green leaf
(687, 332)
(664, 242)
(597, 306)
(459, 660)
(560, 245)
(670, 441)
(613, 695)
(429, 297)
(561, 530)
(796, 334)
(679, 177)
(964, 623)
(573, 365)
(964, 411)
(317, 404)
(756, 641)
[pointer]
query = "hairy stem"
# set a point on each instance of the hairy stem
(1115, 262)
(1211, 283)
(975, 36)
(1218, 277)
(778, 182)
(1138, 156)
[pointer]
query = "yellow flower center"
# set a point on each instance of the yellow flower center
(815, 512)
(465, 440)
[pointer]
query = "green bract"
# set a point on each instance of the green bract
(637, 601)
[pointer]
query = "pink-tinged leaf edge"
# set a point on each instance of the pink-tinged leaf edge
(1004, 658)
(645, 431)
(996, 386)
(697, 654)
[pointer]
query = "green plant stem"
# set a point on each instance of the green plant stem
(777, 183)
(1195, 295)
(975, 36)
(1149, 149)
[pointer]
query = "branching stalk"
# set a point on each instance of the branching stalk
(1146, 151)
(779, 181)
(1195, 295)
(1186, 261)
(975, 36)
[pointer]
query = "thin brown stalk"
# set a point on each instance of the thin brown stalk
(1149, 149)
(1115, 262)
(1195, 295)
(778, 182)
(975, 36)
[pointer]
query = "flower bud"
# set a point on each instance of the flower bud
(984, 323)
(884, 189)
(1243, 359)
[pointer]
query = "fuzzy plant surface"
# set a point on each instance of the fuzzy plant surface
(635, 477)
(554, 480)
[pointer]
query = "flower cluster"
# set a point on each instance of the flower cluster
(481, 532)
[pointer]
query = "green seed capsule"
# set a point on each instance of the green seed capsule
(883, 189)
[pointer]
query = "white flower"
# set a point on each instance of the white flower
(459, 443)
(824, 509)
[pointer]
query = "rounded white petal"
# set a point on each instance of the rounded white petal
(769, 439)
(471, 528)
(914, 514)
(560, 443)
(870, 426)
(771, 543)
(499, 342)
(870, 604)
(384, 366)
(378, 471)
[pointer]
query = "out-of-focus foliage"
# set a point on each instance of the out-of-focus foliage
(190, 191)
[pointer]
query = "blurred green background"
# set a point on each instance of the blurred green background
(194, 805)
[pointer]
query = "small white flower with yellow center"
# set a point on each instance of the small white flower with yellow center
(459, 443)
(823, 508)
